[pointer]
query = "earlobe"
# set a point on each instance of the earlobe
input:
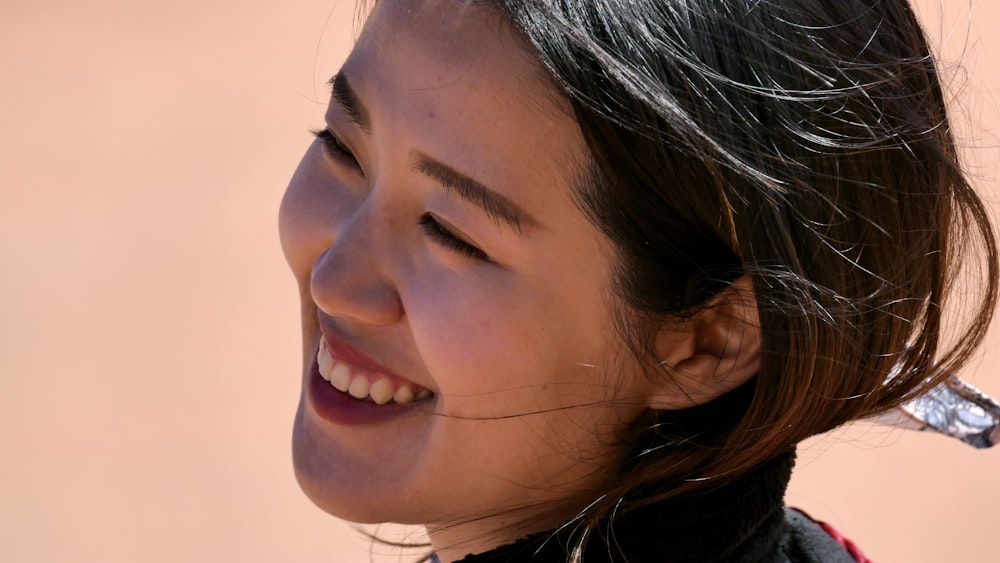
(712, 353)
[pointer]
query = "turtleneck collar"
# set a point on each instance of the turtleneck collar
(742, 521)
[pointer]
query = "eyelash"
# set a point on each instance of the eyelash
(334, 146)
(435, 230)
(431, 226)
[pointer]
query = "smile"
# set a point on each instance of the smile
(364, 384)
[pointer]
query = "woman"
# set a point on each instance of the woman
(577, 276)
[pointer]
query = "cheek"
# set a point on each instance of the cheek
(468, 336)
(504, 351)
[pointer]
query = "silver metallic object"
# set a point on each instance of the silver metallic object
(953, 408)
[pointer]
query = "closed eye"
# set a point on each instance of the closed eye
(443, 236)
(335, 148)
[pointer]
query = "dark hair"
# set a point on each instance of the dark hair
(801, 143)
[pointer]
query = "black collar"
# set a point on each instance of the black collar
(743, 521)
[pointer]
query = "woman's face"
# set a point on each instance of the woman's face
(446, 273)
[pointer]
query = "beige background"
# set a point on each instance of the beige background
(148, 327)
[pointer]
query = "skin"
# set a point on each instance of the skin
(532, 389)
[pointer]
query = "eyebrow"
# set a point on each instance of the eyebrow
(497, 206)
(348, 99)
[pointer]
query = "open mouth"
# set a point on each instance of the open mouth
(366, 385)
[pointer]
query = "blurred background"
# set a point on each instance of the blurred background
(149, 337)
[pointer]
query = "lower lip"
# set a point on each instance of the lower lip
(340, 408)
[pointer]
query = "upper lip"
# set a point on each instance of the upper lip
(340, 347)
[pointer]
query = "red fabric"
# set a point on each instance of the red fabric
(851, 547)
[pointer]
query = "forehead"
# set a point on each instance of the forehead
(455, 41)
(452, 79)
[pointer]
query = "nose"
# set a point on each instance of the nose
(352, 277)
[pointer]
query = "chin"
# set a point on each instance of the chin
(317, 470)
(317, 479)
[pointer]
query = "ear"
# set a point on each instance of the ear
(710, 354)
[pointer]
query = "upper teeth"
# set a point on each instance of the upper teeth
(361, 384)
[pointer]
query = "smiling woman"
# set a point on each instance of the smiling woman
(597, 267)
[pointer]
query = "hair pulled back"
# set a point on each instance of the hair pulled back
(801, 143)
